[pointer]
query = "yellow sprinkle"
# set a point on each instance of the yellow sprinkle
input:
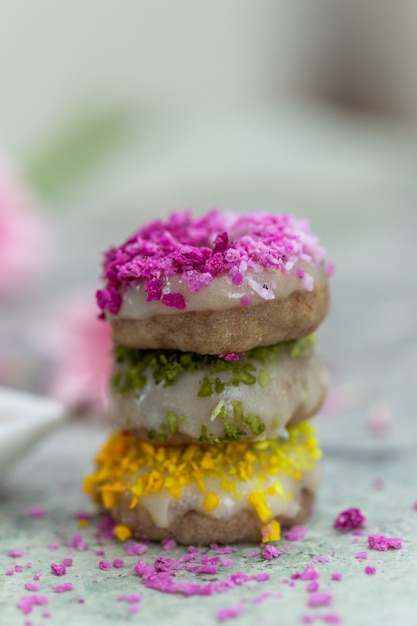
(127, 464)
(122, 532)
(82, 522)
(257, 500)
(211, 501)
(271, 532)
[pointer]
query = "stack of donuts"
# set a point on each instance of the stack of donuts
(215, 376)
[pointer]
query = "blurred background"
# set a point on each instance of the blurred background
(113, 113)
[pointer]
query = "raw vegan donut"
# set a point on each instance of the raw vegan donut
(225, 282)
(175, 397)
(212, 493)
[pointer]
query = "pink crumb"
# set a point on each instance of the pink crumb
(337, 576)
(271, 552)
(132, 548)
(104, 565)
(296, 533)
(26, 603)
(63, 588)
(320, 599)
(36, 512)
(31, 587)
(332, 618)
(58, 569)
(313, 586)
(230, 612)
(351, 518)
(18, 568)
(370, 570)
(9, 572)
(361, 556)
(117, 563)
(168, 544)
(15, 554)
(378, 484)
(379, 420)
(67, 562)
(382, 543)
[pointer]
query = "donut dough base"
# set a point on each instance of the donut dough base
(236, 330)
(198, 528)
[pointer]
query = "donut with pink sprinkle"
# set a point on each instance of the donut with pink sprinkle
(218, 284)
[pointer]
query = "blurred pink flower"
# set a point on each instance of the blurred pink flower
(23, 234)
(80, 347)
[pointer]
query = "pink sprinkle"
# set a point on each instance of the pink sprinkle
(245, 300)
(26, 603)
(132, 598)
(14, 554)
(133, 548)
(332, 618)
(168, 544)
(221, 549)
(370, 570)
(351, 518)
(174, 301)
(117, 563)
(63, 588)
(37, 576)
(313, 586)
(320, 599)
(230, 612)
(18, 568)
(310, 573)
(77, 542)
(253, 553)
(232, 356)
(296, 533)
(31, 587)
(361, 556)
(382, 543)
(378, 484)
(104, 565)
(67, 562)
(337, 576)
(9, 572)
(379, 420)
(58, 570)
(36, 512)
(271, 552)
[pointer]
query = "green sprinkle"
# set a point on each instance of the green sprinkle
(238, 412)
(205, 389)
(172, 422)
(217, 410)
(166, 366)
(203, 434)
(255, 424)
(264, 378)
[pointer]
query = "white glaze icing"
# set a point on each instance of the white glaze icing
(163, 509)
(221, 294)
(294, 383)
